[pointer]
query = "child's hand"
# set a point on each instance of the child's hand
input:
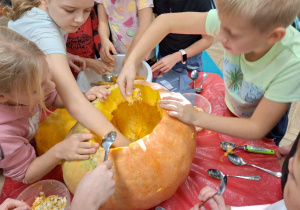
(99, 66)
(179, 107)
(126, 79)
(76, 147)
(100, 92)
(165, 64)
(98, 183)
(283, 151)
(107, 48)
(11, 204)
(216, 202)
(76, 62)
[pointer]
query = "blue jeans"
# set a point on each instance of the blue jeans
(177, 79)
(279, 130)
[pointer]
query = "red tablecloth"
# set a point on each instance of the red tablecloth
(239, 192)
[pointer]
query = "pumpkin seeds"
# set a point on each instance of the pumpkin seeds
(52, 202)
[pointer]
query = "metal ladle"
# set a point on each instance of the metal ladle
(237, 160)
(217, 174)
(194, 76)
(107, 141)
(200, 89)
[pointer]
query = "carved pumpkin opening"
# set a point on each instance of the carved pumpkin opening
(136, 120)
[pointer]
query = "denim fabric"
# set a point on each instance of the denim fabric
(279, 130)
(177, 79)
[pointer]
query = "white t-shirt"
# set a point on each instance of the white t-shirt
(37, 26)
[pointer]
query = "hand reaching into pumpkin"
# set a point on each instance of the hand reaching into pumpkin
(179, 107)
(100, 92)
(100, 186)
(76, 147)
(216, 202)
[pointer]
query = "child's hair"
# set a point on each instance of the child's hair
(13, 9)
(21, 66)
(262, 14)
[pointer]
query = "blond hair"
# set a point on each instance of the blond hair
(21, 66)
(18, 7)
(262, 14)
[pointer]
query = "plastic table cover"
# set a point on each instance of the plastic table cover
(239, 192)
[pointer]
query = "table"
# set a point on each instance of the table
(239, 192)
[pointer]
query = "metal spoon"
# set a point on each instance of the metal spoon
(237, 160)
(108, 77)
(217, 174)
(227, 146)
(194, 76)
(200, 89)
(221, 190)
(107, 141)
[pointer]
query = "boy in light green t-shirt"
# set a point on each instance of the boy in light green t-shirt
(261, 63)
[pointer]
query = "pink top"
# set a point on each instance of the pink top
(17, 127)
(123, 20)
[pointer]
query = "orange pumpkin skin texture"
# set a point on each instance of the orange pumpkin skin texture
(151, 168)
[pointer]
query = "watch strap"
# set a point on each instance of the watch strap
(184, 56)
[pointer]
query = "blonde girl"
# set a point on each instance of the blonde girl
(45, 22)
(26, 88)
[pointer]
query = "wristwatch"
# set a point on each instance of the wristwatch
(184, 56)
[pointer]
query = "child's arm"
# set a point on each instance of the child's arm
(166, 63)
(74, 147)
(107, 46)
(265, 117)
(194, 23)
(75, 102)
(145, 19)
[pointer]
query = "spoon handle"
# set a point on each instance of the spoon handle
(278, 174)
(256, 178)
(204, 77)
(106, 156)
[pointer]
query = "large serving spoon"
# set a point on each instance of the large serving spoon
(107, 141)
(237, 160)
(200, 89)
(194, 76)
(217, 174)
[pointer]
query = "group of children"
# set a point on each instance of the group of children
(261, 64)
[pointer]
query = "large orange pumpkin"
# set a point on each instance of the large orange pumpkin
(151, 168)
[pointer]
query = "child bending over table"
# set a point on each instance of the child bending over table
(261, 64)
(98, 183)
(86, 43)
(45, 22)
(26, 89)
